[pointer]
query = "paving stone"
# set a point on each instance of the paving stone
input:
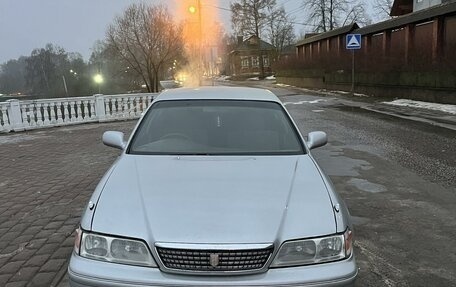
(3, 245)
(40, 222)
(10, 236)
(11, 267)
(69, 241)
(24, 254)
(53, 265)
(22, 239)
(45, 233)
(32, 230)
(42, 279)
(54, 225)
(47, 248)
(3, 261)
(3, 230)
(63, 252)
(25, 274)
(8, 213)
(68, 229)
(10, 249)
(4, 278)
(19, 227)
(37, 243)
(61, 217)
(44, 189)
(57, 237)
(17, 284)
(37, 260)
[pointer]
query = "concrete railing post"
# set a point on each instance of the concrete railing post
(15, 117)
(100, 107)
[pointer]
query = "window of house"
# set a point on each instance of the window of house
(244, 62)
(255, 62)
(266, 61)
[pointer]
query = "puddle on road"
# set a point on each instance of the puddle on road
(335, 163)
(365, 185)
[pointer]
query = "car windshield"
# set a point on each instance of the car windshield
(216, 127)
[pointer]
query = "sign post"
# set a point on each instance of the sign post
(353, 42)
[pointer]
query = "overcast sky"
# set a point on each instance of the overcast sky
(74, 25)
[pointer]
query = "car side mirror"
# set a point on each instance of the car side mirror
(316, 139)
(114, 139)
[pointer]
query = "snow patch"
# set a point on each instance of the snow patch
(304, 102)
(283, 85)
(270, 78)
(451, 109)
(223, 78)
(12, 139)
(253, 79)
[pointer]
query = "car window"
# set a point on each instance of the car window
(216, 127)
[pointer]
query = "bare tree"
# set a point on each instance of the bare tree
(250, 18)
(147, 40)
(280, 30)
(328, 15)
(357, 13)
(382, 9)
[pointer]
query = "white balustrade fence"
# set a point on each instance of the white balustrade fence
(26, 115)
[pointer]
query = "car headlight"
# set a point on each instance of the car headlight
(113, 249)
(316, 250)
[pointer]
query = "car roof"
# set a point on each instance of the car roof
(218, 93)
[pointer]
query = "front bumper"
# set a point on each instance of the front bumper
(91, 273)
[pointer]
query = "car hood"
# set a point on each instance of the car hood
(221, 200)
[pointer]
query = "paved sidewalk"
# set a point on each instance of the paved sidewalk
(46, 178)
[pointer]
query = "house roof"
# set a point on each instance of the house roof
(329, 34)
(418, 16)
(401, 7)
(247, 46)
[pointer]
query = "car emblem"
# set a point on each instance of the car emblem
(214, 259)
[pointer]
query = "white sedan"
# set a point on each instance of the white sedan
(215, 187)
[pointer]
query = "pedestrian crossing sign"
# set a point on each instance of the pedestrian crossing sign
(353, 41)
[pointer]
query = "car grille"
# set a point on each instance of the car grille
(214, 260)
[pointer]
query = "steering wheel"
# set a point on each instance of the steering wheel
(175, 136)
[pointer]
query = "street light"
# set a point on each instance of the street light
(192, 9)
(98, 78)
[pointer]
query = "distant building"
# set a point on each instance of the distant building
(402, 7)
(288, 52)
(245, 57)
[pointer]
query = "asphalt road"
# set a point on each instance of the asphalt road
(398, 178)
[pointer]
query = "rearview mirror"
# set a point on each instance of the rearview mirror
(316, 139)
(114, 139)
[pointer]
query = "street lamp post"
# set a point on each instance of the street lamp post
(192, 9)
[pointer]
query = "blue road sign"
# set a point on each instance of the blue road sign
(353, 41)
